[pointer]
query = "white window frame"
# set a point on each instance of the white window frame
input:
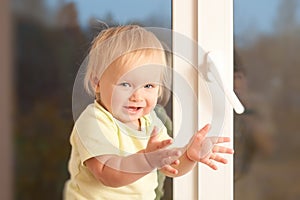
(210, 22)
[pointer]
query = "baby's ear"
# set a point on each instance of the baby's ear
(97, 88)
(97, 96)
(95, 84)
(97, 91)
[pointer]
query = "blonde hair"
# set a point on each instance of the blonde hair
(118, 44)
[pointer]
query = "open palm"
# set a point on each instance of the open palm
(205, 149)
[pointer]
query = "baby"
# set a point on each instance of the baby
(118, 142)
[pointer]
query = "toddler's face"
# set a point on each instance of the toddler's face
(130, 92)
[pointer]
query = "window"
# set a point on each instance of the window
(267, 81)
(51, 40)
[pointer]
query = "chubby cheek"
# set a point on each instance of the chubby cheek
(119, 99)
(151, 102)
(109, 99)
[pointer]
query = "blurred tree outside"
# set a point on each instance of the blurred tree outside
(49, 47)
(271, 62)
(46, 61)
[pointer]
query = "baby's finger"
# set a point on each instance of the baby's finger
(223, 139)
(200, 135)
(218, 158)
(221, 149)
(168, 161)
(176, 162)
(154, 133)
(153, 140)
(164, 143)
(174, 153)
(216, 139)
(171, 156)
(210, 163)
(170, 169)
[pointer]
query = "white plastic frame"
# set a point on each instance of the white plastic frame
(210, 22)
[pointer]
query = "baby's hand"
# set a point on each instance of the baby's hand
(163, 157)
(201, 149)
(154, 143)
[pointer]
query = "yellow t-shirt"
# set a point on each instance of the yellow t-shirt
(96, 133)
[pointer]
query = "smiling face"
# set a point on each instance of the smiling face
(129, 88)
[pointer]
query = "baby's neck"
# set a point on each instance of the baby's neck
(135, 125)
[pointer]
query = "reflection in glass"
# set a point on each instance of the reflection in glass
(267, 82)
(51, 40)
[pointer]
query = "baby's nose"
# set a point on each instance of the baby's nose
(136, 95)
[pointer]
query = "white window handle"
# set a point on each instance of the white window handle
(212, 61)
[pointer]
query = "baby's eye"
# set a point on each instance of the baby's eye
(125, 84)
(149, 86)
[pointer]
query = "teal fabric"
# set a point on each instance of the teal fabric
(163, 116)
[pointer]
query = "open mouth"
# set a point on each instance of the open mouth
(133, 109)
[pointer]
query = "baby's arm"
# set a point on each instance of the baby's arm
(197, 151)
(117, 171)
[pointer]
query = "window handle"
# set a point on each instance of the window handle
(209, 67)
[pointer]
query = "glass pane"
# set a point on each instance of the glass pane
(52, 37)
(267, 45)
